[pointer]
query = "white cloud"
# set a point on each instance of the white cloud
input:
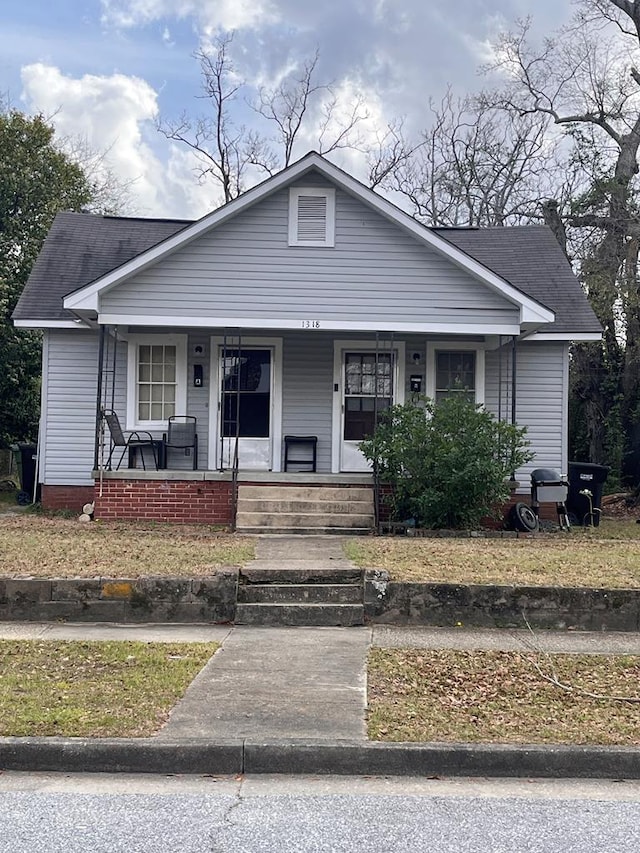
(111, 114)
(211, 15)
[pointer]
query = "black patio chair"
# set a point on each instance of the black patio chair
(136, 440)
(181, 435)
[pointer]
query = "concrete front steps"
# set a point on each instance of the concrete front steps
(296, 597)
(304, 509)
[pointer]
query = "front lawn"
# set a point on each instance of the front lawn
(93, 689)
(602, 557)
(41, 546)
(500, 697)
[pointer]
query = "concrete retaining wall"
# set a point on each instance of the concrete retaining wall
(448, 605)
(210, 599)
(213, 599)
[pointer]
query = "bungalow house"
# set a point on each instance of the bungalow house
(283, 322)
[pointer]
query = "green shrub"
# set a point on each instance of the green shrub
(448, 463)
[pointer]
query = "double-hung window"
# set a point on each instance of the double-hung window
(455, 370)
(157, 380)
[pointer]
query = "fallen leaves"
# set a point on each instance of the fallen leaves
(479, 696)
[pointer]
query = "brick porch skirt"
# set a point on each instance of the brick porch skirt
(177, 501)
(180, 501)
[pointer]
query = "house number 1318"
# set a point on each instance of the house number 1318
(311, 324)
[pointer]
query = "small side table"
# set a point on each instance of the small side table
(296, 441)
(159, 450)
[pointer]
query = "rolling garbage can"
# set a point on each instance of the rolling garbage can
(25, 459)
(584, 509)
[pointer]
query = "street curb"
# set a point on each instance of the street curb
(357, 758)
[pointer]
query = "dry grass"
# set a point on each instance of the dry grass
(499, 697)
(93, 689)
(40, 546)
(577, 559)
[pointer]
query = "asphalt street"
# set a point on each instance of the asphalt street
(148, 814)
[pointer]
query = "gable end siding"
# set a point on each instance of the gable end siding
(374, 273)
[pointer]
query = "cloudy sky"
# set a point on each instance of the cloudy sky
(108, 70)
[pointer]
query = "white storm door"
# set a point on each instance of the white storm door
(370, 382)
(248, 408)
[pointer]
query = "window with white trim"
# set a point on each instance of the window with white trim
(156, 380)
(455, 368)
(312, 216)
(455, 374)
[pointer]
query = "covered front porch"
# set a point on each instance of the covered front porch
(278, 418)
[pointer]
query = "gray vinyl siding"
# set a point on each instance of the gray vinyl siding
(69, 397)
(376, 273)
(71, 371)
(540, 401)
(307, 399)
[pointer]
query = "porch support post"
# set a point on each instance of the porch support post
(514, 361)
(103, 332)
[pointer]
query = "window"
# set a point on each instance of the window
(311, 216)
(455, 374)
(368, 385)
(157, 380)
(455, 369)
(246, 393)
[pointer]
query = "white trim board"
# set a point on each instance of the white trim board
(86, 299)
(304, 325)
(51, 324)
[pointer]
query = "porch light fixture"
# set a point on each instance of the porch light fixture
(416, 358)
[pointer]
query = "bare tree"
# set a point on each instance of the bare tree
(110, 194)
(299, 105)
(290, 103)
(477, 165)
(219, 145)
(585, 80)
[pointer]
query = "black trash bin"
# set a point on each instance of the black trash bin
(25, 457)
(586, 476)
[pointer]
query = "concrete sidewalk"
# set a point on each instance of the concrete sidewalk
(292, 700)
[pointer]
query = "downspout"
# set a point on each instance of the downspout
(514, 360)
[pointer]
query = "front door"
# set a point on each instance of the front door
(369, 384)
(245, 407)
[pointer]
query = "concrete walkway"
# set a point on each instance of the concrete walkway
(275, 683)
(294, 552)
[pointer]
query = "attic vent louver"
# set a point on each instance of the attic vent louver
(311, 217)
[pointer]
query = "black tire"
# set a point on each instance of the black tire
(523, 518)
(23, 498)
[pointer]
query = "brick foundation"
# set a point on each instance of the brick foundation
(66, 497)
(177, 501)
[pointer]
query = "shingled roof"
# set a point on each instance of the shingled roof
(530, 258)
(81, 248)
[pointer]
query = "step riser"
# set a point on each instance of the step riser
(303, 493)
(296, 520)
(300, 575)
(305, 507)
(300, 594)
(300, 614)
(305, 531)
